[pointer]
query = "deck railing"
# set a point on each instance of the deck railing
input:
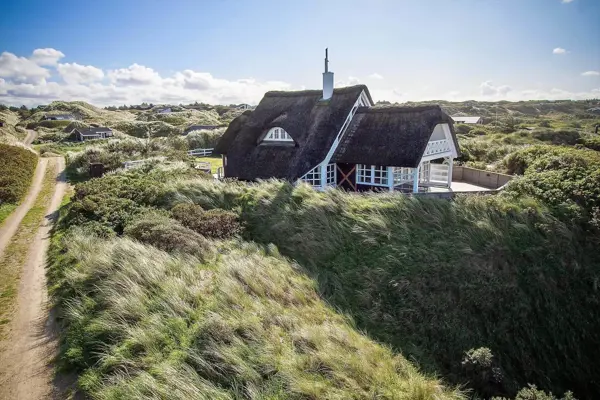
(437, 147)
(439, 173)
(200, 152)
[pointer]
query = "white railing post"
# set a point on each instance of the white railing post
(390, 175)
(416, 179)
(450, 166)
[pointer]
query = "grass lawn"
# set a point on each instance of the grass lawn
(5, 211)
(215, 162)
(16, 252)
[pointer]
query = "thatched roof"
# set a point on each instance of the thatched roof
(310, 121)
(392, 136)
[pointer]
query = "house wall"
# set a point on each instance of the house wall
(492, 180)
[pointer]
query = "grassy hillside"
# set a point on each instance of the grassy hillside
(214, 319)
(17, 165)
(436, 279)
(10, 132)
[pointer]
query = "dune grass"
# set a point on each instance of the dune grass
(436, 278)
(141, 323)
(15, 254)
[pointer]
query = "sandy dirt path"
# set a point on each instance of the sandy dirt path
(31, 135)
(26, 372)
(10, 225)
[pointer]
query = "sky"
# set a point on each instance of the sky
(233, 51)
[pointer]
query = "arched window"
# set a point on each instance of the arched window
(278, 134)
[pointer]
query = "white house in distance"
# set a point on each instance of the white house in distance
(337, 138)
(92, 133)
(58, 117)
(468, 120)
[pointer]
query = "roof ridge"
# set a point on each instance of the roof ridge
(399, 109)
(308, 92)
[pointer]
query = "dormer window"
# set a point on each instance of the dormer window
(279, 135)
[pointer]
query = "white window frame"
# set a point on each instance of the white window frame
(313, 177)
(403, 175)
(372, 175)
(331, 175)
(278, 134)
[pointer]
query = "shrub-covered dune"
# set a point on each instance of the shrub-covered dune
(490, 292)
(218, 319)
(436, 278)
(17, 165)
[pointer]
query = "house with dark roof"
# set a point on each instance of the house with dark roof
(337, 138)
(92, 133)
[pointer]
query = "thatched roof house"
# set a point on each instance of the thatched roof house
(336, 138)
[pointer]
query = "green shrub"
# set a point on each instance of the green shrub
(463, 129)
(216, 223)
(592, 142)
(53, 124)
(569, 137)
(533, 393)
(167, 234)
(483, 373)
(204, 139)
(564, 178)
(17, 166)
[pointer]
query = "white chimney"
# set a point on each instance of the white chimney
(327, 79)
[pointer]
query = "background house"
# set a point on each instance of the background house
(468, 120)
(92, 133)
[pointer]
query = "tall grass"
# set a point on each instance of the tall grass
(436, 278)
(245, 324)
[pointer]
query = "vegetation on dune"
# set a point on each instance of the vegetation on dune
(436, 278)
(214, 320)
(565, 178)
(17, 165)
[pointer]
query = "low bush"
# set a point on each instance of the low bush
(569, 137)
(17, 165)
(216, 223)
(204, 139)
(53, 124)
(592, 142)
(167, 234)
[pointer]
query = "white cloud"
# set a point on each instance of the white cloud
(488, 89)
(75, 73)
(350, 81)
(375, 75)
(135, 74)
(567, 1)
(591, 73)
(46, 56)
(21, 69)
(23, 81)
(559, 51)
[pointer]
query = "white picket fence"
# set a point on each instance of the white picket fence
(200, 152)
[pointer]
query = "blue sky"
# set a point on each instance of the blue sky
(232, 51)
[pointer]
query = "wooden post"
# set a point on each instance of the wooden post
(416, 179)
(390, 175)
